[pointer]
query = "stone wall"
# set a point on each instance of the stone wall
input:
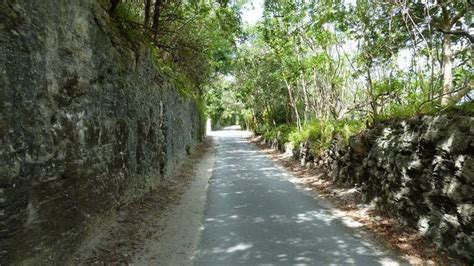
(86, 124)
(419, 170)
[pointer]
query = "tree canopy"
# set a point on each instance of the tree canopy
(312, 60)
(361, 60)
(190, 40)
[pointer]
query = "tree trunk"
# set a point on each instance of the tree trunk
(317, 98)
(147, 12)
(306, 100)
(447, 87)
(156, 14)
(304, 88)
(113, 6)
(293, 104)
(372, 98)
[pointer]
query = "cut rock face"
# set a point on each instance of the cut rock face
(86, 124)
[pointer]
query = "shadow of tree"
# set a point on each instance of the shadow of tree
(255, 216)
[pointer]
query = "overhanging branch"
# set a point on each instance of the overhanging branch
(458, 33)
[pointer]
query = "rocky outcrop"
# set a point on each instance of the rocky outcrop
(86, 124)
(419, 170)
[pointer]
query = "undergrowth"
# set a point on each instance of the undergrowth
(396, 112)
(320, 133)
(127, 18)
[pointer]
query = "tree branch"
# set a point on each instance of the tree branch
(456, 97)
(458, 33)
(459, 15)
(444, 10)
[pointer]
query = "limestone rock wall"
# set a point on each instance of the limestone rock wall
(86, 124)
(419, 170)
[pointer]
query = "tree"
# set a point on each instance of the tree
(450, 16)
(328, 60)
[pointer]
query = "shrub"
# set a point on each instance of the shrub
(321, 132)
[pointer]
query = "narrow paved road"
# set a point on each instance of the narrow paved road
(254, 216)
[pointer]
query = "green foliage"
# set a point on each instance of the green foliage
(128, 12)
(324, 67)
(127, 15)
(320, 64)
(247, 121)
(345, 128)
(223, 106)
(321, 132)
(281, 132)
(465, 108)
(190, 42)
(201, 107)
(312, 131)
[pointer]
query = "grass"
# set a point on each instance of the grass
(319, 132)
(406, 111)
(282, 132)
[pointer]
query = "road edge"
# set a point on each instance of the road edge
(182, 225)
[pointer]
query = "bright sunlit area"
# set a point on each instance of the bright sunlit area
(252, 12)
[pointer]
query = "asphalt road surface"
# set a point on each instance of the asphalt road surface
(255, 216)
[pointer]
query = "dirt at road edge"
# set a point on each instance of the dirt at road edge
(161, 228)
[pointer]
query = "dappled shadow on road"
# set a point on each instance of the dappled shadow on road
(254, 216)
